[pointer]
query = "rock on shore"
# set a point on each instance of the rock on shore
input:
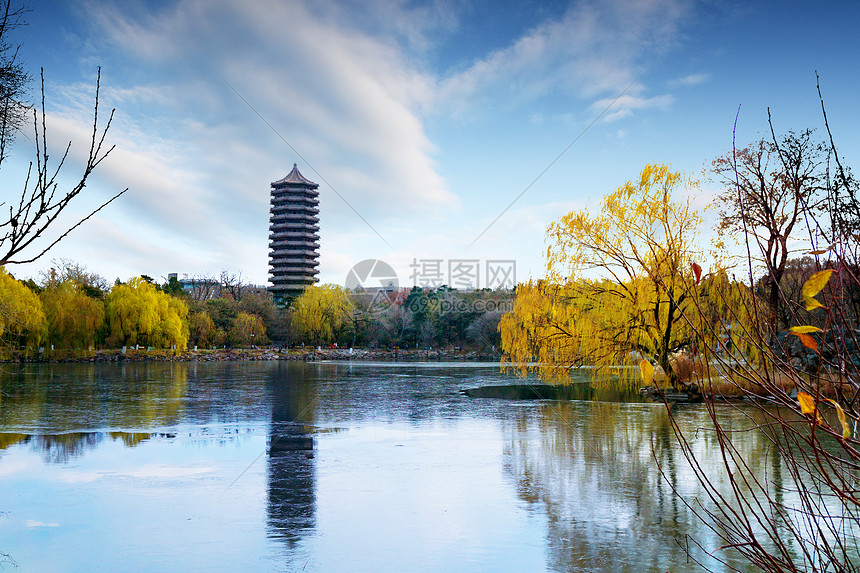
(245, 354)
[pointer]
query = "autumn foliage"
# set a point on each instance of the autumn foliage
(321, 313)
(622, 284)
(22, 320)
(70, 315)
(74, 318)
(137, 313)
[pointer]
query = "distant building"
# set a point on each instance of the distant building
(198, 288)
(293, 235)
(206, 287)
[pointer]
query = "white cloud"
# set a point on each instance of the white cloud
(625, 105)
(688, 81)
(198, 161)
(31, 523)
(349, 88)
(518, 235)
(596, 48)
(352, 98)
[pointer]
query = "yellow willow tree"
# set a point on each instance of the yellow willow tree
(138, 313)
(22, 320)
(202, 329)
(321, 312)
(641, 245)
(74, 318)
(248, 329)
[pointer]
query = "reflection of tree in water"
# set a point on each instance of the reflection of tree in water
(8, 439)
(60, 448)
(55, 448)
(131, 439)
(55, 398)
(591, 468)
(51, 399)
(291, 467)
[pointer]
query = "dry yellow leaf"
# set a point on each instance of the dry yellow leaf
(647, 371)
(807, 403)
(807, 341)
(846, 429)
(804, 329)
(811, 303)
(815, 283)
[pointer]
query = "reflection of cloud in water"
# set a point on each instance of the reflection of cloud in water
(143, 472)
(32, 523)
(166, 472)
(13, 467)
(71, 476)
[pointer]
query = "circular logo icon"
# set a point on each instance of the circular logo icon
(371, 274)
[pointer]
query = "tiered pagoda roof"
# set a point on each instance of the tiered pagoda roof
(294, 234)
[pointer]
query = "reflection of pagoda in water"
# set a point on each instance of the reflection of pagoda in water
(291, 467)
(293, 235)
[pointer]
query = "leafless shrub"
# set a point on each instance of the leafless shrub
(803, 396)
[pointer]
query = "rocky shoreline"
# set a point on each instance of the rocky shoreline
(249, 354)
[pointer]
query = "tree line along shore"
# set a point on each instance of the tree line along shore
(71, 312)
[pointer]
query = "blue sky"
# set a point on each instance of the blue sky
(428, 118)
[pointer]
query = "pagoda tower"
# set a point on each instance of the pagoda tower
(293, 235)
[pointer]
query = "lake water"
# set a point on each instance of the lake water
(206, 467)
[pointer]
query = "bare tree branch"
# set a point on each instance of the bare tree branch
(41, 202)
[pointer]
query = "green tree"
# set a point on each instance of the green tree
(173, 287)
(222, 311)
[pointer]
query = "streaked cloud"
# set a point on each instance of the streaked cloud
(351, 88)
(351, 97)
(627, 104)
(31, 523)
(594, 49)
(688, 81)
